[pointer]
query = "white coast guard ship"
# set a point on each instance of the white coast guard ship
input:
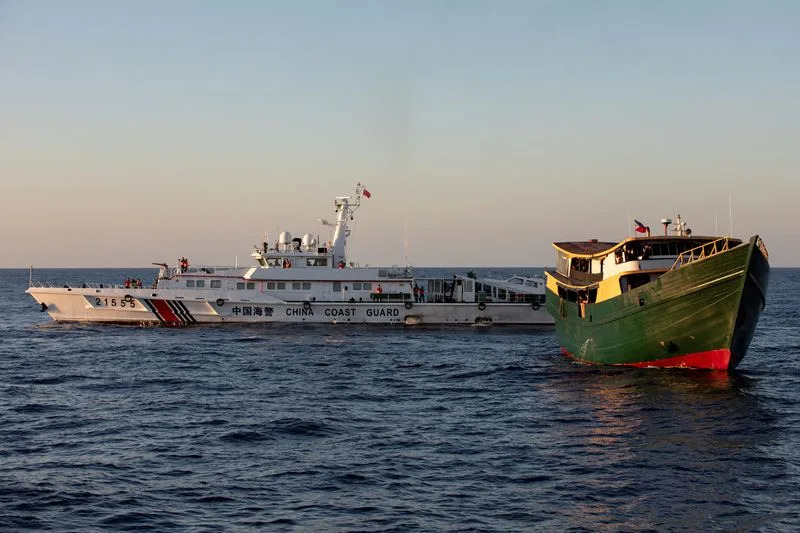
(300, 280)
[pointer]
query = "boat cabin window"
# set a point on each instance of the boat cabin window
(251, 285)
(306, 285)
(562, 264)
(579, 264)
(467, 285)
(632, 281)
(337, 286)
(580, 295)
(190, 283)
(239, 285)
(216, 284)
(200, 283)
(317, 261)
(270, 285)
(273, 262)
(356, 286)
(366, 286)
(281, 285)
(296, 286)
(640, 251)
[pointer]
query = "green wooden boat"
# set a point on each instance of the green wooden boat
(659, 301)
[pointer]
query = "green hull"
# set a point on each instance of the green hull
(701, 315)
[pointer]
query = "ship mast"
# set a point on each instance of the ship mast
(345, 209)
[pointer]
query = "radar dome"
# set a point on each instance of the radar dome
(308, 241)
(285, 238)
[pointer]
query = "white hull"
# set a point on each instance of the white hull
(174, 308)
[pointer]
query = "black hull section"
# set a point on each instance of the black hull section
(752, 302)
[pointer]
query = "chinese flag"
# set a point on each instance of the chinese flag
(366, 193)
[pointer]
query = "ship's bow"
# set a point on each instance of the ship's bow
(753, 300)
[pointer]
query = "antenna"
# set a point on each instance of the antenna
(730, 214)
(30, 276)
(405, 238)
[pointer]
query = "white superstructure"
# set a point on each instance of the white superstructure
(300, 279)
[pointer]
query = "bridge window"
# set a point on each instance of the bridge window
(239, 285)
(216, 284)
(200, 284)
(190, 283)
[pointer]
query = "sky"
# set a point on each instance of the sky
(139, 132)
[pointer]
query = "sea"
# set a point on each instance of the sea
(379, 428)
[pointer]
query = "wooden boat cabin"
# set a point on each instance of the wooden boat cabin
(594, 271)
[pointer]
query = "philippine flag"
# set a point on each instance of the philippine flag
(366, 193)
(641, 228)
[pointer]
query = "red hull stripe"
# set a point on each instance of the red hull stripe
(710, 360)
(166, 312)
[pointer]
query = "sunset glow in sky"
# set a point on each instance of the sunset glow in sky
(134, 132)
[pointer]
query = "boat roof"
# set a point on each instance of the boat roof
(584, 247)
(594, 247)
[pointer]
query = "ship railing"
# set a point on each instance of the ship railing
(701, 252)
(50, 285)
